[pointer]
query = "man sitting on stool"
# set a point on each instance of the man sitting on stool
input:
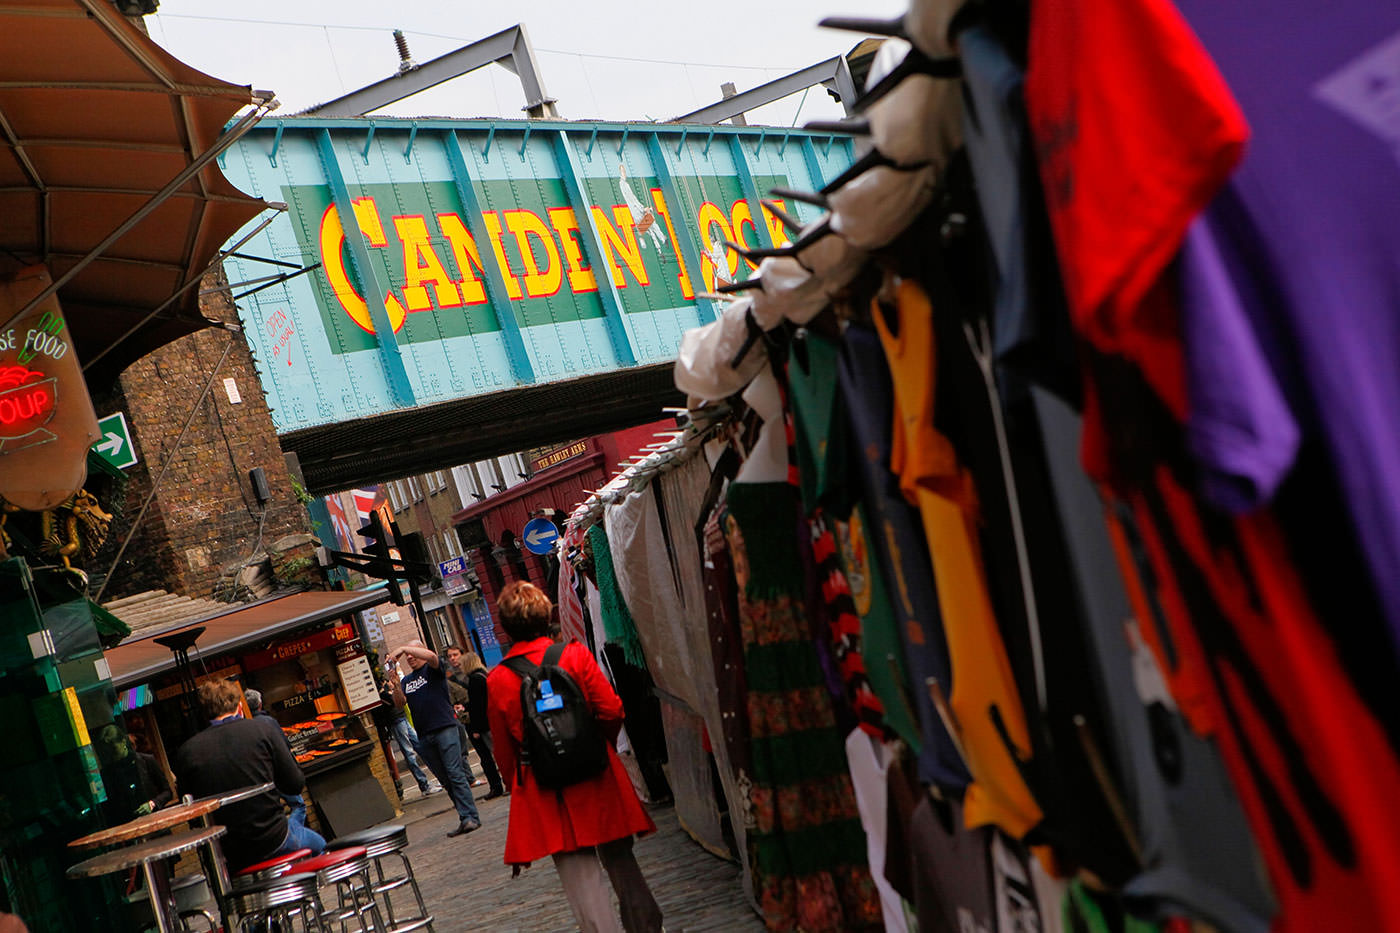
(231, 754)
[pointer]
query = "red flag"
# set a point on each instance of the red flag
(365, 501)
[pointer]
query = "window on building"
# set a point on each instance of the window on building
(439, 480)
(394, 499)
(473, 477)
(451, 544)
(415, 488)
(433, 549)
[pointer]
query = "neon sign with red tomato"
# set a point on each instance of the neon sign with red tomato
(28, 399)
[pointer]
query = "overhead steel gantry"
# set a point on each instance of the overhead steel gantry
(482, 286)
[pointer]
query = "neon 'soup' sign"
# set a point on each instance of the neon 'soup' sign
(27, 400)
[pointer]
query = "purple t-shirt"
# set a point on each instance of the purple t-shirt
(1291, 280)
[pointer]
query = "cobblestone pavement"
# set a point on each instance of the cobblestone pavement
(467, 887)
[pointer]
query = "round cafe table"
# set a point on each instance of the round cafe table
(211, 857)
(150, 856)
(148, 825)
(233, 796)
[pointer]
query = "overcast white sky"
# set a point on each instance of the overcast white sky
(614, 59)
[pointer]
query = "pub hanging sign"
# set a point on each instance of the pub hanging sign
(47, 422)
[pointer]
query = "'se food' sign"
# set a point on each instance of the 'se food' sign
(46, 419)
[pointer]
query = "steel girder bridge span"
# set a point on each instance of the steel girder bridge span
(475, 287)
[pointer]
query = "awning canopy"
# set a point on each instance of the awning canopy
(135, 662)
(95, 120)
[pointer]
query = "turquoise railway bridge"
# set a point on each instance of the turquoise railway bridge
(480, 286)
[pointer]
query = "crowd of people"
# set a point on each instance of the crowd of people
(572, 801)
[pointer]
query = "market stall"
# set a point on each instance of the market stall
(306, 655)
(1038, 588)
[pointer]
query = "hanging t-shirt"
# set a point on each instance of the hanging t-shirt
(955, 891)
(819, 449)
(900, 550)
(1029, 330)
(884, 654)
(819, 420)
(1305, 248)
(1135, 131)
(869, 761)
(1198, 855)
(1250, 664)
(984, 689)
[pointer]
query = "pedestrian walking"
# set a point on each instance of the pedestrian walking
(585, 823)
(397, 724)
(470, 672)
(424, 691)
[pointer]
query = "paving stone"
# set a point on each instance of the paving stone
(468, 887)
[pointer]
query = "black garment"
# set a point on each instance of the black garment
(481, 741)
(644, 729)
(425, 691)
(477, 730)
(131, 782)
(231, 755)
(476, 705)
(153, 783)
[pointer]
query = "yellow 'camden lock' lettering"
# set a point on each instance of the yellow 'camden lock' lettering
(552, 246)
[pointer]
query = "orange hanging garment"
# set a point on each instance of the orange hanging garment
(932, 479)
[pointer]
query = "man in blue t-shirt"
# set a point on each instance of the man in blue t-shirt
(424, 691)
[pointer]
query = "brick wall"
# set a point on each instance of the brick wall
(205, 516)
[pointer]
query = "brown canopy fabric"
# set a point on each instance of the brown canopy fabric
(95, 119)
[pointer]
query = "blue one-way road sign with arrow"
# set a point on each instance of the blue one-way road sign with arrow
(539, 535)
(115, 445)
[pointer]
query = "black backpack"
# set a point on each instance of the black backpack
(562, 743)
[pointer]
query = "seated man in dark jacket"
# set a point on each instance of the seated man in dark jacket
(234, 753)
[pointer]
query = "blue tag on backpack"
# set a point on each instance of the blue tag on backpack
(550, 702)
(546, 688)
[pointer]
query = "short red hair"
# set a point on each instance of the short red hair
(524, 610)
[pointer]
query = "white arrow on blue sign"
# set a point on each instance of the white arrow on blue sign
(539, 535)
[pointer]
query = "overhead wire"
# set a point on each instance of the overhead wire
(459, 38)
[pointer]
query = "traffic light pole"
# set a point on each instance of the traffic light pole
(423, 626)
(408, 562)
(391, 570)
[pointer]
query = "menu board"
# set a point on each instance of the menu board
(361, 693)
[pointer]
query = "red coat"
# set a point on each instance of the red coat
(594, 811)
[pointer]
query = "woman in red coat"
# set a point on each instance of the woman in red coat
(586, 827)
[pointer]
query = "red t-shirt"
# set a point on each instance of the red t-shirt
(1135, 130)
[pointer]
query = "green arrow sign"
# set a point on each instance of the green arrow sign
(115, 445)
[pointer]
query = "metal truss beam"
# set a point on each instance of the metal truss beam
(509, 48)
(834, 73)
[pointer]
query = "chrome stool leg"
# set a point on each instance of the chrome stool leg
(379, 843)
(292, 903)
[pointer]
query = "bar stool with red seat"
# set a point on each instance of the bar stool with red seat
(348, 871)
(286, 903)
(271, 868)
(381, 842)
